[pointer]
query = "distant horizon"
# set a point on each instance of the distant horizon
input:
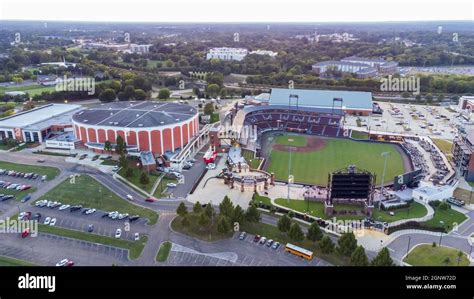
(237, 11)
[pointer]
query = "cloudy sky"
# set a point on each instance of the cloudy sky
(236, 10)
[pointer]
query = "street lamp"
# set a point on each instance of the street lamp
(385, 155)
(289, 172)
(408, 248)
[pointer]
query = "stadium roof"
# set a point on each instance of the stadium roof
(135, 114)
(356, 100)
(39, 118)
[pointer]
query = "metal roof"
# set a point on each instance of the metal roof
(41, 117)
(322, 98)
(135, 114)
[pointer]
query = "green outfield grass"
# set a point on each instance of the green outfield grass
(313, 167)
(427, 255)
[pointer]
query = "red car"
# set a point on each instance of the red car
(25, 233)
(149, 199)
(256, 238)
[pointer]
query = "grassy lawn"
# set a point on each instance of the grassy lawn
(110, 162)
(359, 135)
(8, 261)
(316, 209)
(416, 210)
(272, 232)
(159, 192)
(135, 247)
(313, 167)
(195, 230)
(50, 172)
(214, 117)
(164, 252)
(427, 255)
(32, 90)
(444, 145)
(88, 192)
(135, 179)
(449, 217)
(262, 199)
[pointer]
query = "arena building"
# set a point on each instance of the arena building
(145, 126)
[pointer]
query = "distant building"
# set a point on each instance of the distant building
(463, 149)
(362, 67)
(466, 103)
(227, 53)
(264, 52)
(128, 48)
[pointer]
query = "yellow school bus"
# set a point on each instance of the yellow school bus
(304, 253)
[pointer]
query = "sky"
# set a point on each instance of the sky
(237, 10)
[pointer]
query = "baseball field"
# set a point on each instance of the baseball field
(312, 158)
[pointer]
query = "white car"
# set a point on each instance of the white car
(53, 222)
(90, 211)
(172, 185)
(62, 263)
(118, 233)
(211, 166)
(41, 203)
(47, 220)
(136, 236)
(49, 204)
(122, 216)
(129, 197)
(115, 168)
(64, 207)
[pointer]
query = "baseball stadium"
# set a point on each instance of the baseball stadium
(301, 133)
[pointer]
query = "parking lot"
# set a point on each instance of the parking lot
(46, 249)
(235, 252)
(102, 226)
(422, 120)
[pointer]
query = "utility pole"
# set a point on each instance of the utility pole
(385, 155)
(408, 248)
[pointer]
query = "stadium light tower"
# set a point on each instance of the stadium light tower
(290, 177)
(293, 96)
(385, 155)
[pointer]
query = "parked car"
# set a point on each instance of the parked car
(53, 222)
(64, 207)
(275, 245)
(171, 185)
(25, 233)
(149, 199)
(40, 160)
(65, 263)
(90, 228)
(263, 240)
(242, 235)
(269, 243)
(90, 211)
(37, 216)
(47, 220)
(118, 233)
(136, 236)
(133, 218)
(26, 198)
(75, 208)
(256, 238)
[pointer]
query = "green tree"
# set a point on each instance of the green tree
(140, 95)
(144, 178)
(223, 93)
(326, 245)
(197, 208)
(238, 215)
(226, 207)
(284, 223)
(107, 146)
(447, 261)
(314, 232)
(182, 210)
(359, 257)
(209, 210)
(252, 214)
(212, 90)
(209, 109)
(291, 214)
(405, 95)
(164, 94)
(129, 172)
(347, 243)
(223, 225)
(204, 220)
(107, 95)
(185, 222)
(120, 145)
(382, 259)
(296, 233)
(123, 161)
